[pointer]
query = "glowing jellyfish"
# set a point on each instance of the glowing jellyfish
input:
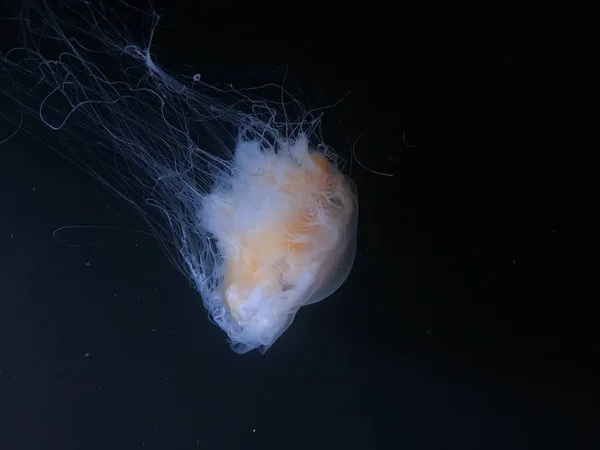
(254, 208)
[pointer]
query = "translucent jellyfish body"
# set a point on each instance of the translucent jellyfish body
(285, 225)
(240, 189)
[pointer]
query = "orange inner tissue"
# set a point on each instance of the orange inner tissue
(271, 258)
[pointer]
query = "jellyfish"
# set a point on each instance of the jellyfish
(242, 192)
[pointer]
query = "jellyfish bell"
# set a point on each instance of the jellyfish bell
(285, 225)
(244, 195)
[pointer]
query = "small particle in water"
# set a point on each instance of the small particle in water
(85, 356)
(87, 263)
(254, 430)
(12, 235)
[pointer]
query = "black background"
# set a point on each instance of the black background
(467, 321)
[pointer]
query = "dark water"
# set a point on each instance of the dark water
(466, 322)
